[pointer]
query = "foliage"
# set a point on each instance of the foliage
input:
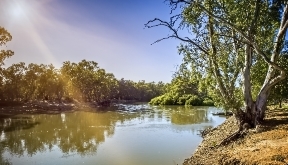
(186, 99)
(194, 100)
(208, 102)
(83, 81)
(163, 100)
(5, 37)
(183, 90)
(279, 92)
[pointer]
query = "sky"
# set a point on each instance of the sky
(110, 32)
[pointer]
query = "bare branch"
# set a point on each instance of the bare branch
(175, 33)
(174, 4)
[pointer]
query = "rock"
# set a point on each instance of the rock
(259, 129)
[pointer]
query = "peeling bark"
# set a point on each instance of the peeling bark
(261, 103)
(248, 100)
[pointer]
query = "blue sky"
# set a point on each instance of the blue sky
(110, 32)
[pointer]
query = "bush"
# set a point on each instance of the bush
(194, 100)
(162, 100)
(156, 100)
(167, 101)
(182, 100)
(208, 102)
(186, 99)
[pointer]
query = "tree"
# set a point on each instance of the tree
(183, 90)
(5, 37)
(30, 81)
(279, 92)
(13, 82)
(229, 37)
(86, 81)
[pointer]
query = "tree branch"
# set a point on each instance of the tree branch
(175, 33)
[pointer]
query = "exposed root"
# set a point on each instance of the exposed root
(239, 133)
(204, 132)
(244, 121)
(230, 138)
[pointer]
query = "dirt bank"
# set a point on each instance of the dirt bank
(267, 145)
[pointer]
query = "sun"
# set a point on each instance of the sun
(18, 9)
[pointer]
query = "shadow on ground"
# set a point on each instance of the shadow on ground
(276, 119)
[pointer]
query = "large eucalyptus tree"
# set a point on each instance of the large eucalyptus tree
(227, 42)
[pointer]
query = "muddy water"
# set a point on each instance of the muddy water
(131, 135)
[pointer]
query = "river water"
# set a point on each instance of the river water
(132, 135)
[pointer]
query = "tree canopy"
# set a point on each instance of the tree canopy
(232, 45)
(84, 81)
(183, 90)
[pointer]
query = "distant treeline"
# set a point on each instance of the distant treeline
(83, 81)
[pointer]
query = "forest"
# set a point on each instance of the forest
(84, 81)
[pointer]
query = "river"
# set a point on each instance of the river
(131, 135)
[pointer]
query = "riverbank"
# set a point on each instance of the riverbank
(268, 145)
(45, 107)
(39, 107)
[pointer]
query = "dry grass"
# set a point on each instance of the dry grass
(265, 148)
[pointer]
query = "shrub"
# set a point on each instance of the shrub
(182, 100)
(194, 100)
(186, 99)
(167, 101)
(162, 100)
(207, 102)
(156, 100)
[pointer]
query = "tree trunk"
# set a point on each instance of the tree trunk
(254, 111)
(261, 103)
(252, 116)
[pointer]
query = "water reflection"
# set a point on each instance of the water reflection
(182, 115)
(81, 132)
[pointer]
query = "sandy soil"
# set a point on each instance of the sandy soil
(269, 146)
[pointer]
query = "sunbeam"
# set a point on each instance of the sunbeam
(29, 15)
